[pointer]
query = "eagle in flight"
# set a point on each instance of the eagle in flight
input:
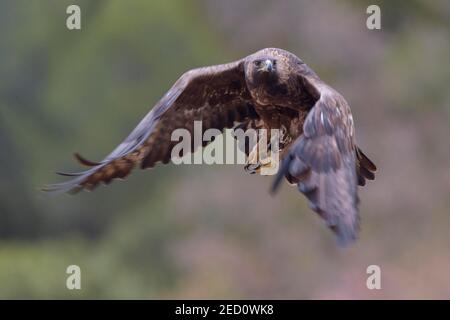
(271, 89)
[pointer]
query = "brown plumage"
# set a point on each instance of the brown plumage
(271, 88)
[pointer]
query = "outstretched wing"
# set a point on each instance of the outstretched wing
(215, 95)
(323, 162)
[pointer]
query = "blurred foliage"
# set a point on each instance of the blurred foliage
(214, 232)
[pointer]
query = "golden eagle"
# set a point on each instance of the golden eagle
(271, 88)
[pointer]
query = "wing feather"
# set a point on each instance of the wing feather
(216, 95)
(327, 166)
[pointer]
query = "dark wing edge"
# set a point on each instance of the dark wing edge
(217, 95)
(364, 167)
(326, 165)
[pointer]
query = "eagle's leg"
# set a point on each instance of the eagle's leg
(269, 165)
(252, 164)
(265, 166)
(263, 161)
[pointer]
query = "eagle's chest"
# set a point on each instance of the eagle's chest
(290, 121)
(284, 94)
(274, 94)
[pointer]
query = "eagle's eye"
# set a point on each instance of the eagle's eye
(257, 63)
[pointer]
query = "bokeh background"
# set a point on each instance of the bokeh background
(214, 231)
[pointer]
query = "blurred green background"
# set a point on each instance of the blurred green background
(214, 231)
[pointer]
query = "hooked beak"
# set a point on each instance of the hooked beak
(267, 66)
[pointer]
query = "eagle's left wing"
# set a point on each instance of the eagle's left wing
(215, 95)
(323, 163)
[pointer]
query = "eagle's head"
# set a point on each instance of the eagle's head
(273, 77)
(266, 76)
(262, 69)
(265, 66)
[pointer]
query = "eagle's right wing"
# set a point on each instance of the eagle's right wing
(216, 95)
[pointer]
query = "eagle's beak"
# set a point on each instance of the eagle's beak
(267, 66)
